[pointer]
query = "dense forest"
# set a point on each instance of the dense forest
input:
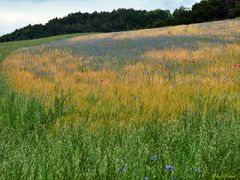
(128, 19)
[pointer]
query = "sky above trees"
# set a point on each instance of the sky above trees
(18, 13)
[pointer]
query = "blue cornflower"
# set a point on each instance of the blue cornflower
(169, 168)
(154, 158)
(122, 169)
(196, 170)
(145, 178)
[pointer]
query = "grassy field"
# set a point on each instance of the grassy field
(8, 47)
(160, 103)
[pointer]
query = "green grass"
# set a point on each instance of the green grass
(206, 137)
(7, 47)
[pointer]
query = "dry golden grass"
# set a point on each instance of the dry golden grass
(48, 73)
(223, 29)
(204, 53)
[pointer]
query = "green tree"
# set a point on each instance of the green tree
(235, 12)
(182, 15)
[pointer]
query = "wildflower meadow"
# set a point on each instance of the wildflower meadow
(148, 104)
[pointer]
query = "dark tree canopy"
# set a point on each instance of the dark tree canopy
(182, 15)
(128, 19)
(235, 11)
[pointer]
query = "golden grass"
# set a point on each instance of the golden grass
(204, 53)
(145, 84)
(222, 29)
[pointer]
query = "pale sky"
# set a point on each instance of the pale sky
(19, 13)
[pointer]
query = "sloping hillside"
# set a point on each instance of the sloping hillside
(158, 103)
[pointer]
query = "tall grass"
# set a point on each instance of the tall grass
(62, 116)
(203, 143)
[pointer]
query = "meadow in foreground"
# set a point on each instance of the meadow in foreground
(157, 103)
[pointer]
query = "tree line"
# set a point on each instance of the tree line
(128, 19)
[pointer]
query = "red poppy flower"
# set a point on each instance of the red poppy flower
(236, 66)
